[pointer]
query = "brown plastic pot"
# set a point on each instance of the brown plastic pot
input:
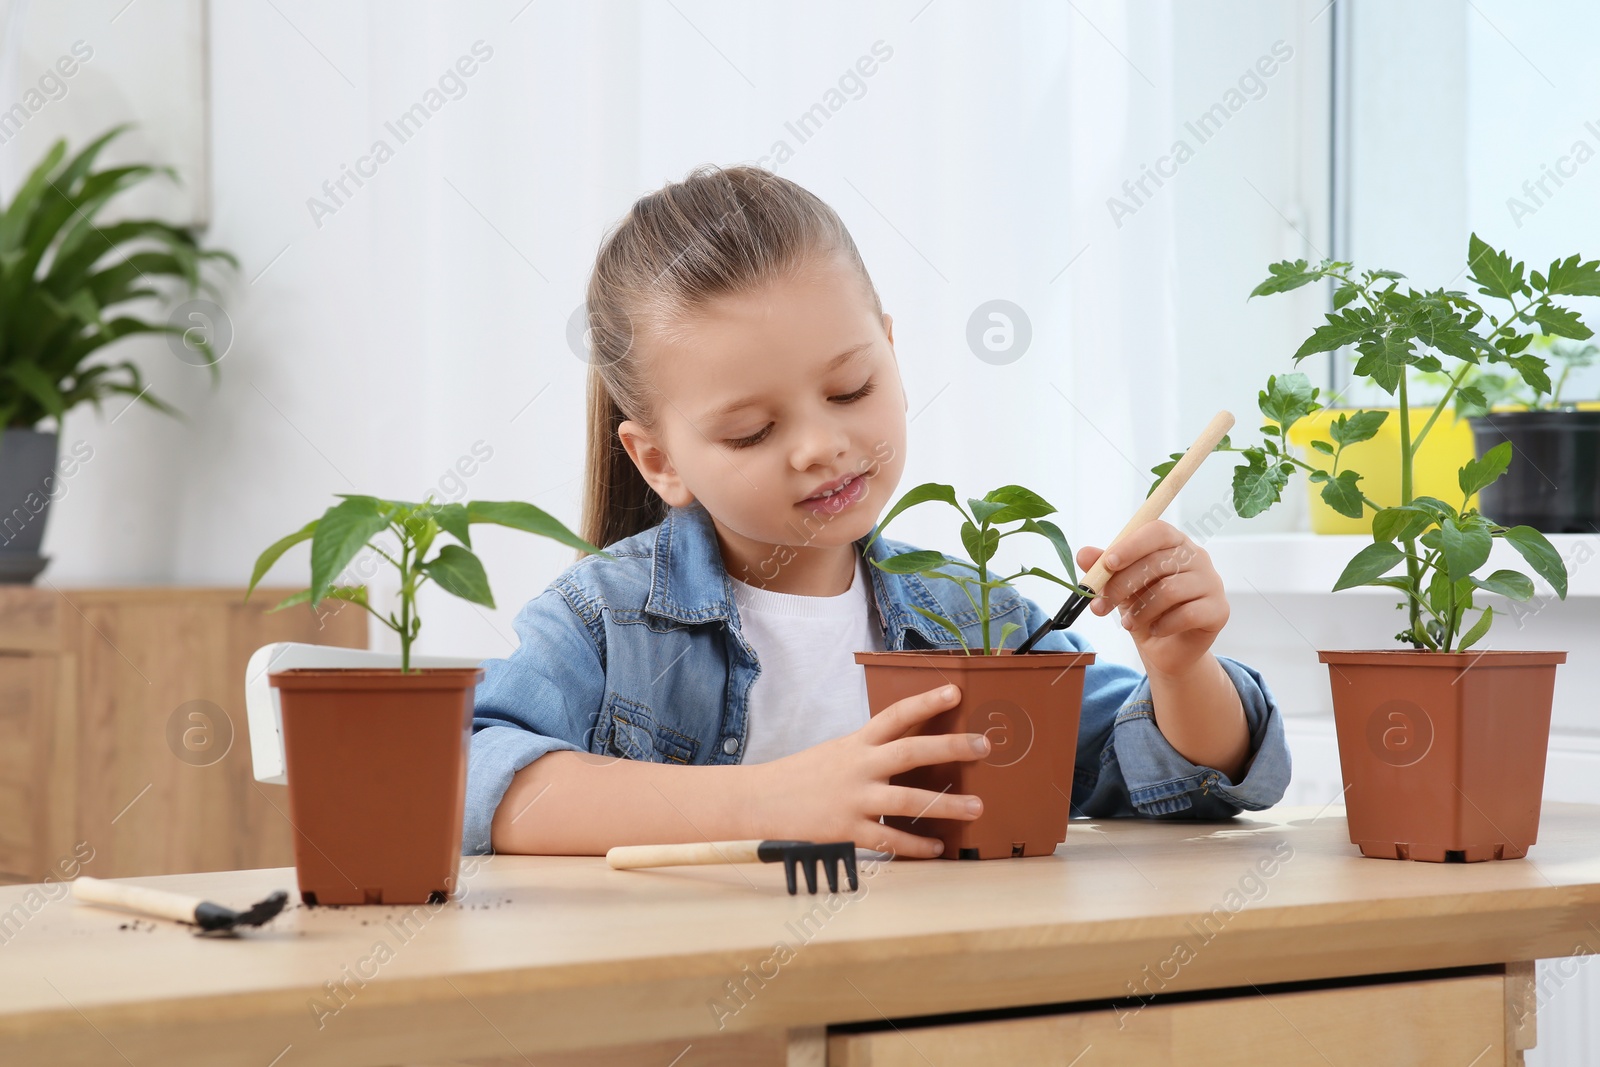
(1443, 753)
(1028, 706)
(377, 768)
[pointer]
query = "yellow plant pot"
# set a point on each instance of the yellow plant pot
(1445, 450)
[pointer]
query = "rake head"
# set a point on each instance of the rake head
(810, 853)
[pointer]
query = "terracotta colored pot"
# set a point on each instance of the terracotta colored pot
(1443, 753)
(1028, 706)
(377, 769)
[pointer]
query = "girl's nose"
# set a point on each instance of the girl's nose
(824, 443)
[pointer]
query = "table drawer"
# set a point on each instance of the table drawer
(1456, 1021)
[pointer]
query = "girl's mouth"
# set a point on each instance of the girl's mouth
(846, 495)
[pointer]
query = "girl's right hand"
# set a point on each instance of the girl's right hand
(836, 791)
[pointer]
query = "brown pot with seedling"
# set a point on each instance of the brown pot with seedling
(1027, 705)
(1442, 749)
(376, 760)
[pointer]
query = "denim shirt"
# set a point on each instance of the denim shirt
(642, 657)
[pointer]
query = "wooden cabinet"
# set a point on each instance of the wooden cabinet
(124, 748)
(1483, 1018)
(1480, 1019)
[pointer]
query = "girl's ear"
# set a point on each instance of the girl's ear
(654, 465)
(888, 328)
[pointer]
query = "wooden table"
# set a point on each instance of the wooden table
(1265, 939)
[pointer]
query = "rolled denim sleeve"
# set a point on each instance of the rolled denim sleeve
(545, 697)
(1125, 764)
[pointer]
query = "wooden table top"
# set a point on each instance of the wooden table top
(546, 953)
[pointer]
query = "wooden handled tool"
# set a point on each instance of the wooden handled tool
(627, 857)
(185, 909)
(1150, 510)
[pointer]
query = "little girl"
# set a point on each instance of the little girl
(746, 429)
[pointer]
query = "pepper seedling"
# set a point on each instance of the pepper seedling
(356, 523)
(981, 536)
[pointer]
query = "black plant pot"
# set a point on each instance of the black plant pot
(1553, 483)
(28, 482)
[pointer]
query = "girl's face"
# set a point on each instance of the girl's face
(764, 400)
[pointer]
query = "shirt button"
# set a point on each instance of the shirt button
(730, 745)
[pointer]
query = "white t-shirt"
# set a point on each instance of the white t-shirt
(810, 688)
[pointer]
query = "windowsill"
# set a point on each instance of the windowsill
(1289, 563)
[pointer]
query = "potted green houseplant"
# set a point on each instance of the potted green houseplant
(1028, 705)
(66, 285)
(377, 759)
(1553, 483)
(1442, 749)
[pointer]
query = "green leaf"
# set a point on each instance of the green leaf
(1342, 328)
(1560, 322)
(529, 519)
(1569, 277)
(1479, 628)
(1039, 572)
(1507, 583)
(36, 384)
(921, 561)
(1063, 550)
(1005, 632)
(1371, 562)
(1532, 369)
(1257, 486)
(979, 549)
(1287, 398)
(951, 628)
(341, 533)
(1344, 295)
(275, 551)
(982, 509)
(1020, 504)
(1470, 402)
(1352, 429)
(1342, 495)
(355, 594)
(1439, 591)
(1284, 276)
(461, 573)
(1322, 446)
(453, 520)
(1541, 555)
(1494, 272)
(422, 529)
(1465, 547)
(1482, 472)
(920, 494)
(1401, 523)
(1436, 322)
(1438, 507)
(1385, 356)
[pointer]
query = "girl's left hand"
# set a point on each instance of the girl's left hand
(1169, 594)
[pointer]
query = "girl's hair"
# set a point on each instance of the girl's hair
(718, 232)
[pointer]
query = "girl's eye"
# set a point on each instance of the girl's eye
(759, 436)
(753, 439)
(865, 390)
